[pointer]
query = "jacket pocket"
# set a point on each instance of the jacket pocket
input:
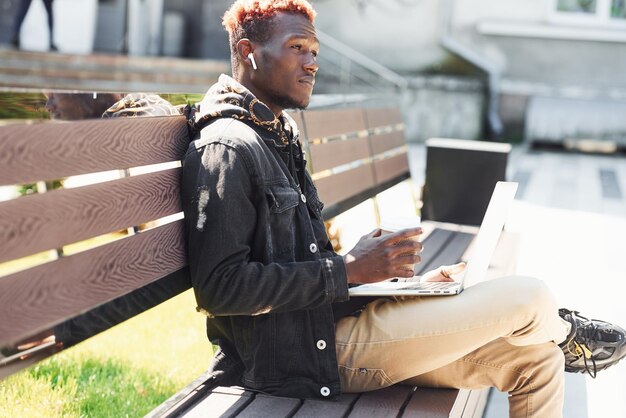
(362, 379)
(281, 198)
(281, 229)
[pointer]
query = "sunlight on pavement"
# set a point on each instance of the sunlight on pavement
(581, 256)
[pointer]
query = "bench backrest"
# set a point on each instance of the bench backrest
(69, 250)
(354, 154)
(76, 261)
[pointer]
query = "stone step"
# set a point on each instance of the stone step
(107, 72)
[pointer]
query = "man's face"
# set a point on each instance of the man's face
(286, 64)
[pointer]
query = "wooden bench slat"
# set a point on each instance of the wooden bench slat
(264, 406)
(47, 151)
(330, 123)
(36, 299)
(382, 403)
(391, 167)
(185, 399)
(40, 222)
(377, 117)
(339, 187)
(430, 403)
(330, 409)
(387, 141)
(222, 402)
(335, 153)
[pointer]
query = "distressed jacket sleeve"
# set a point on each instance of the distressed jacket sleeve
(221, 218)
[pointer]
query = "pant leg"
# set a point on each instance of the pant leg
(392, 341)
(22, 9)
(48, 5)
(532, 375)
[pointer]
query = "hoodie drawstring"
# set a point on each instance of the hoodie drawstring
(297, 174)
(302, 168)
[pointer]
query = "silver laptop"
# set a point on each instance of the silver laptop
(477, 263)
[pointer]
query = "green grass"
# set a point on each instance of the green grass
(123, 372)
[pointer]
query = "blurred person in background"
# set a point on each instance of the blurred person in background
(22, 10)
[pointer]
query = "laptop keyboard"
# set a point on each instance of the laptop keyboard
(431, 285)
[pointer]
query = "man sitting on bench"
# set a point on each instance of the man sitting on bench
(272, 287)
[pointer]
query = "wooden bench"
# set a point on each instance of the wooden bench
(76, 261)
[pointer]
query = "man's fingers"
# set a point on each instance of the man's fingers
(405, 234)
(452, 269)
(403, 272)
(408, 249)
(446, 272)
(410, 232)
(409, 259)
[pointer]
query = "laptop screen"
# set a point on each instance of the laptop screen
(487, 238)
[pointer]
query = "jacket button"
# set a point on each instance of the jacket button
(321, 344)
(313, 248)
(303, 197)
(325, 391)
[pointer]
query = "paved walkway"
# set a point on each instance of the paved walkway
(571, 213)
(572, 217)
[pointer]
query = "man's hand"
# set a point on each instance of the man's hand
(443, 273)
(376, 257)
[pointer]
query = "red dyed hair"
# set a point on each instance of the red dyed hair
(252, 19)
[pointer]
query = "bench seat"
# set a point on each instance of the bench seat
(443, 244)
(394, 401)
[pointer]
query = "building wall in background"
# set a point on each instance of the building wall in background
(202, 25)
(214, 37)
(445, 107)
(111, 27)
(402, 35)
(532, 42)
(573, 60)
(145, 26)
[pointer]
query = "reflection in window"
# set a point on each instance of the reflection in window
(618, 9)
(578, 6)
(592, 11)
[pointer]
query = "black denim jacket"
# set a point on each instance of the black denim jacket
(262, 268)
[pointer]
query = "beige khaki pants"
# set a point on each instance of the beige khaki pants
(502, 333)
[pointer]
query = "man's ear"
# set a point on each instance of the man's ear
(244, 47)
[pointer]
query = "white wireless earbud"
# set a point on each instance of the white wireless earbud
(251, 58)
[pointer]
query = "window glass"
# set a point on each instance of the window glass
(618, 9)
(577, 6)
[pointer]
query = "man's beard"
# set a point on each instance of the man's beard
(285, 102)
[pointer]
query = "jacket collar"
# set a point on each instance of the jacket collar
(229, 99)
